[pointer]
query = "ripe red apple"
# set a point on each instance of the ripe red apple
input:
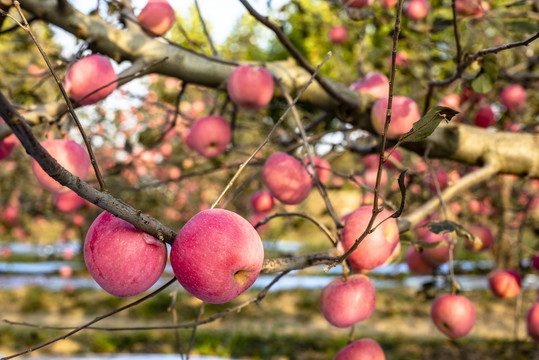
(286, 178)
(358, 4)
(7, 144)
(389, 3)
(250, 87)
(344, 302)
(439, 254)
(68, 202)
(338, 34)
(217, 255)
(483, 234)
(441, 177)
(451, 100)
(475, 8)
(369, 177)
(72, 156)
(485, 117)
(87, 75)
(158, 16)
(210, 136)
(453, 315)
(374, 83)
(513, 97)
(376, 248)
(323, 168)
(362, 349)
(504, 283)
(532, 322)
(262, 201)
(417, 263)
(123, 260)
(417, 9)
(404, 114)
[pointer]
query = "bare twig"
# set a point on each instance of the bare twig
(205, 29)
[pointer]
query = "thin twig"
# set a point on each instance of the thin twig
(205, 29)
(194, 330)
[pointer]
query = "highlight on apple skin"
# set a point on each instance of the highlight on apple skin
(217, 255)
(250, 87)
(453, 315)
(210, 135)
(504, 283)
(158, 16)
(344, 302)
(404, 114)
(286, 178)
(362, 349)
(376, 247)
(123, 260)
(87, 75)
(70, 155)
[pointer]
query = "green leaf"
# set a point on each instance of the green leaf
(449, 226)
(428, 123)
(488, 75)
(149, 136)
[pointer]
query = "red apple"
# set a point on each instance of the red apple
(453, 315)
(475, 8)
(87, 75)
(157, 16)
(286, 178)
(217, 255)
(362, 349)
(338, 34)
(369, 178)
(417, 263)
(504, 283)
(442, 179)
(451, 100)
(344, 302)
(485, 117)
(323, 168)
(532, 322)
(513, 97)
(210, 136)
(484, 237)
(262, 201)
(358, 4)
(123, 260)
(377, 247)
(404, 114)
(66, 271)
(250, 87)
(374, 83)
(417, 9)
(68, 202)
(72, 156)
(7, 144)
(440, 253)
(389, 3)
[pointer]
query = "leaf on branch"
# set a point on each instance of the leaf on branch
(402, 187)
(450, 226)
(428, 123)
(487, 76)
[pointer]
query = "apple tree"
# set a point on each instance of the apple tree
(389, 127)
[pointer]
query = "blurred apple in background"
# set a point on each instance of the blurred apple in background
(504, 283)
(70, 155)
(417, 9)
(338, 34)
(261, 201)
(286, 178)
(485, 117)
(210, 136)
(417, 264)
(374, 83)
(404, 114)
(250, 87)
(453, 315)
(323, 168)
(158, 16)
(532, 322)
(362, 349)
(484, 236)
(513, 97)
(344, 302)
(87, 75)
